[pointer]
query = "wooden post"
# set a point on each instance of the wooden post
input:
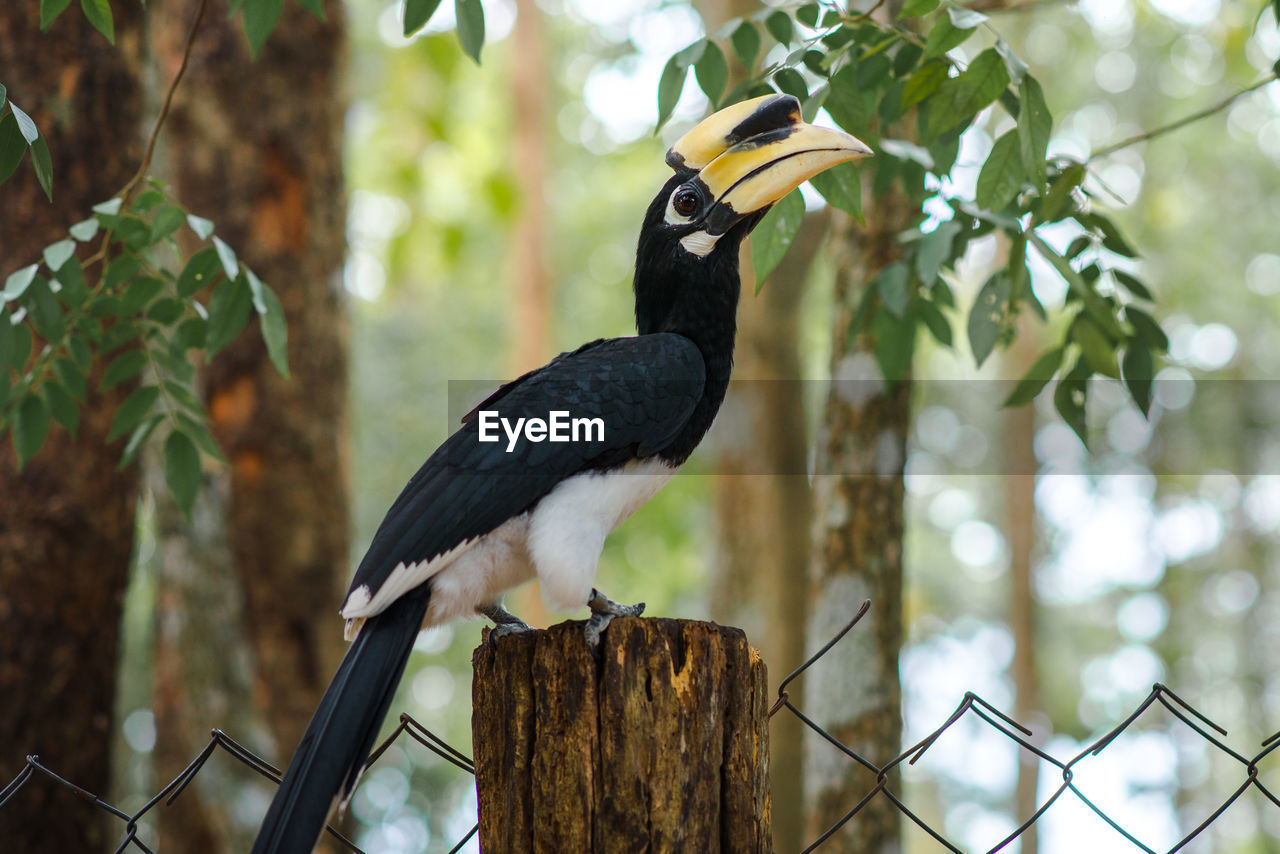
(659, 745)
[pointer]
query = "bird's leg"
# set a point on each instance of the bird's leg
(603, 610)
(504, 622)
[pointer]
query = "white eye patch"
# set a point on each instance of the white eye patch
(673, 216)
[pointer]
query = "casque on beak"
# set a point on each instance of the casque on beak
(751, 154)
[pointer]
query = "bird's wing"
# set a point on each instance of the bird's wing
(642, 388)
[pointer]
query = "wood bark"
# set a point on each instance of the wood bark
(858, 498)
(658, 745)
(255, 146)
(66, 522)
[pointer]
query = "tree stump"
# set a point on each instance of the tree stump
(660, 744)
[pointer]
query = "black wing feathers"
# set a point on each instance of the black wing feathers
(643, 388)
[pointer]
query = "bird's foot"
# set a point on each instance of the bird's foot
(603, 610)
(504, 622)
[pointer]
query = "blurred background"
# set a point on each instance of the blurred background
(490, 221)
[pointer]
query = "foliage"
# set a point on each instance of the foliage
(140, 316)
(18, 134)
(910, 98)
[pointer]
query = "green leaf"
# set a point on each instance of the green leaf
(1012, 62)
(315, 7)
(670, 85)
(712, 72)
(198, 430)
(746, 42)
(4, 95)
(147, 200)
(61, 406)
(895, 345)
(1099, 350)
(121, 270)
(141, 291)
(166, 222)
(12, 146)
(1034, 381)
(29, 425)
(201, 226)
(56, 254)
(29, 130)
(134, 408)
(779, 26)
(1132, 285)
(943, 37)
(182, 469)
(260, 18)
(190, 333)
(45, 312)
(923, 83)
(808, 14)
(227, 256)
(1138, 368)
(470, 15)
(274, 331)
(772, 237)
(80, 352)
(892, 283)
(42, 163)
(849, 104)
(21, 346)
(1099, 309)
(229, 310)
(933, 250)
(69, 374)
(1035, 124)
(932, 316)
(74, 288)
(791, 82)
(960, 98)
(841, 186)
(915, 8)
(6, 344)
(1070, 397)
(84, 230)
(99, 14)
(1146, 328)
(126, 366)
(256, 289)
(1058, 198)
(133, 231)
(1002, 173)
(137, 439)
(986, 317)
(18, 282)
(166, 311)
(203, 268)
(417, 13)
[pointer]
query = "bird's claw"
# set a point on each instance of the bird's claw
(504, 622)
(603, 610)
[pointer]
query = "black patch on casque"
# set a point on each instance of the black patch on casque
(781, 113)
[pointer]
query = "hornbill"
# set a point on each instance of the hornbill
(481, 517)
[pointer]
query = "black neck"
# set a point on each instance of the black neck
(695, 297)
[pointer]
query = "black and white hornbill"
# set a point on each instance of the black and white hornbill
(481, 517)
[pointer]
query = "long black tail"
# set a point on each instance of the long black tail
(343, 729)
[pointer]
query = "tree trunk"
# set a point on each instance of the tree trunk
(658, 745)
(858, 495)
(1020, 520)
(66, 522)
(255, 146)
(763, 502)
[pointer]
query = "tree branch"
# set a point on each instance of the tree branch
(1182, 122)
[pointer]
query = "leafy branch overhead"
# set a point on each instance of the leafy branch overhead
(909, 93)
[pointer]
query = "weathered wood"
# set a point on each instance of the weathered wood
(659, 745)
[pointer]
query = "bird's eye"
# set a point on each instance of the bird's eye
(685, 202)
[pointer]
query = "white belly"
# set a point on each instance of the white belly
(559, 541)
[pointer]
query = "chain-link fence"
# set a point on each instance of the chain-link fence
(970, 704)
